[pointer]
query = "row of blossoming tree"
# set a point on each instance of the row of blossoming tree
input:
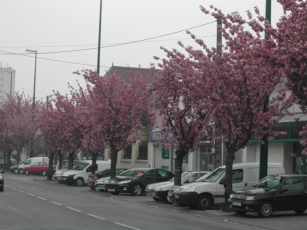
(198, 90)
(204, 89)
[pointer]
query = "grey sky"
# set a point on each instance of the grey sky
(61, 25)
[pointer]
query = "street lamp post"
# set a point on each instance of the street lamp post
(33, 103)
(33, 51)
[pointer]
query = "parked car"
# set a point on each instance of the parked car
(38, 168)
(1, 181)
(272, 193)
(59, 173)
(134, 181)
(159, 191)
(14, 168)
(102, 177)
(211, 192)
(30, 162)
(172, 189)
(79, 176)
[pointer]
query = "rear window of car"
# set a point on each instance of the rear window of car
(134, 173)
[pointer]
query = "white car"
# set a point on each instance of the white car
(159, 191)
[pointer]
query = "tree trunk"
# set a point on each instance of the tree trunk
(71, 159)
(18, 156)
(228, 178)
(8, 160)
(60, 159)
(4, 160)
(113, 162)
(178, 167)
(94, 159)
(50, 168)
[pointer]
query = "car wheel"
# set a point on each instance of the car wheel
(156, 199)
(204, 202)
(137, 190)
(241, 213)
(21, 171)
(166, 199)
(44, 173)
(16, 171)
(1, 189)
(299, 211)
(265, 209)
(80, 182)
(93, 188)
(27, 172)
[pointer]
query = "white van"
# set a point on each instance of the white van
(80, 173)
(203, 195)
(31, 161)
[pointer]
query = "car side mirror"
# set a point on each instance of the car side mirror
(283, 190)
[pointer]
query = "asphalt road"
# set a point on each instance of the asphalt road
(32, 202)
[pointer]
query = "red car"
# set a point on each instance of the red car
(38, 168)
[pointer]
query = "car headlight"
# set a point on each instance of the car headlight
(189, 189)
(231, 196)
(148, 187)
(124, 182)
(158, 189)
(250, 198)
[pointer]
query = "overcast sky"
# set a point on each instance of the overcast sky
(67, 25)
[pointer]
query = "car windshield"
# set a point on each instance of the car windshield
(80, 166)
(269, 182)
(134, 172)
(214, 176)
(203, 178)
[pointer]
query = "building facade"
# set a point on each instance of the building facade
(7, 82)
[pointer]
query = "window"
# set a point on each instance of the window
(36, 164)
(151, 174)
(237, 176)
(28, 162)
(163, 173)
(143, 151)
(293, 184)
(127, 152)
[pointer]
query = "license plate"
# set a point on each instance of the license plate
(111, 190)
(169, 193)
(64, 178)
(236, 203)
(177, 196)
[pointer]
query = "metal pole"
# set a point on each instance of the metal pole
(98, 59)
(219, 36)
(33, 104)
(264, 149)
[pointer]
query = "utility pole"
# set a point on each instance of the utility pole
(264, 149)
(219, 36)
(98, 59)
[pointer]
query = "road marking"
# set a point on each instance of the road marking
(41, 198)
(20, 191)
(55, 203)
(74, 209)
(97, 217)
(30, 194)
(127, 226)
(13, 188)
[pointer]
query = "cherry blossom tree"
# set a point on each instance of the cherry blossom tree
(117, 107)
(20, 121)
(60, 126)
(5, 144)
(174, 86)
(291, 50)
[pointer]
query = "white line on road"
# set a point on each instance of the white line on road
(55, 203)
(127, 226)
(30, 194)
(97, 217)
(41, 198)
(20, 191)
(74, 209)
(13, 188)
